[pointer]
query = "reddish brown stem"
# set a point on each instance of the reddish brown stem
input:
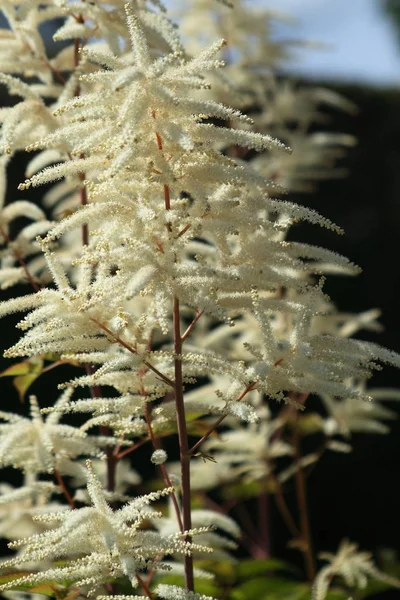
(183, 441)
(191, 326)
(263, 514)
(288, 410)
(180, 408)
(55, 72)
(167, 480)
(145, 587)
(284, 510)
(184, 230)
(21, 261)
(218, 422)
(64, 488)
(301, 493)
(95, 392)
(85, 228)
(55, 364)
(131, 449)
(133, 351)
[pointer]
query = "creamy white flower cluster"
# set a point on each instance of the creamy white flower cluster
(99, 542)
(167, 249)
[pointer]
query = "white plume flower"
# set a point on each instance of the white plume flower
(39, 445)
(98, 542)
(355, 567)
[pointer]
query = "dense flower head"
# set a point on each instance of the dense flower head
(99, 542)
(42, 445)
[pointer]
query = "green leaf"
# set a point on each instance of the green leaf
(253, 567)
(51, 589)
(242, 490)
(225, 571)
(337, 595)
(24, 373)
(310, 423)
(264, 588)
(22, 368)
(13, 576)
(23, 383)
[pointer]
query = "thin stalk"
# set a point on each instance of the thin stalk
(145, 587)
(64, 488)
(183, 441)
(283, 508)
(123, 453)
(95, 392)
(167, 480)
(220, 419)
(287, 411)
(21, 261)
(191, 326)
(133, 351)
(264, 533)
(180, 406)
(83, 197)
(301, 493)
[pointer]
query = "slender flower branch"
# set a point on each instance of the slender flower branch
(19, 258)
(218, 422)
(157, 446)
(191, 326)
(283, 507)
(127, 451)
(145, 587)
(64, 488)
(133, 351)
(264, 531)
(183, 442)
(303, 512)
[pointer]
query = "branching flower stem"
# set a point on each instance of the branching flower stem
(127, 451)
(145, 587)
(64, 489)
(21, 261)
(218, 422)
(183, 441)
(180, 407)
(133, 351)
(191, 326)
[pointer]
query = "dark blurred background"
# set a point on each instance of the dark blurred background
(357, 495)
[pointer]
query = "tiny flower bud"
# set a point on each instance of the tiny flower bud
(159, 457)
